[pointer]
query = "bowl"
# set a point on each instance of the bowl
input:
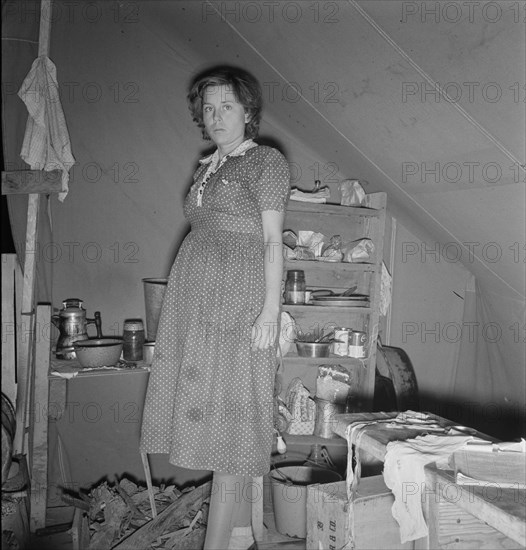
(101, 352)
(313, 349)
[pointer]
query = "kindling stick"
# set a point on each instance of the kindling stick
(147, 473)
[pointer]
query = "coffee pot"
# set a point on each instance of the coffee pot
(72, 323)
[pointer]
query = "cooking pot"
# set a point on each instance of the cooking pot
(313, 349)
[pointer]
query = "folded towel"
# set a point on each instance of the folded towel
(319, 196)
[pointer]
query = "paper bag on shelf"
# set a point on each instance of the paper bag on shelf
(360, 250)
(352, 193)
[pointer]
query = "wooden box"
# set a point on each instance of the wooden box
(505, 469)
(331, 522)
(455, 529)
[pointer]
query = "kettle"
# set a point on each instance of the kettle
(72, 323)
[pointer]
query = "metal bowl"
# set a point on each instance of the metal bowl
(101, 352)
(313, 349)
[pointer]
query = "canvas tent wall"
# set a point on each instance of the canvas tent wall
(352, 89)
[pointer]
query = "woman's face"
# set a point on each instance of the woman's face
(224, 118)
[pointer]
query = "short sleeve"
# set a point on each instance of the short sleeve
(271, 184)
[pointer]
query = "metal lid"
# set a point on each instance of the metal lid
(133, 325)
(72, 303)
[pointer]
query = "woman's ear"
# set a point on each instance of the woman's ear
(247, 118)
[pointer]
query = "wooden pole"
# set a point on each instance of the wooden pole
(25, 358)
(38, 428)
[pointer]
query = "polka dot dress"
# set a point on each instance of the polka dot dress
(209, 402)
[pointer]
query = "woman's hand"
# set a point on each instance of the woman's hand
(264, 330)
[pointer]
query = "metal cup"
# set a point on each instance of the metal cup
(147, 352)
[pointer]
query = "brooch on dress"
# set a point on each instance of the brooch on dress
(201, 190)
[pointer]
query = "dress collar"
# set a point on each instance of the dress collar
(239, 151)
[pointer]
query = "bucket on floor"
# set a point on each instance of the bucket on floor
(290, 498)
(154, 290)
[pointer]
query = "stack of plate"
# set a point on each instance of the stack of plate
(355, 300)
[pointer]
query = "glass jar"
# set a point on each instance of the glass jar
(295, 287)
(133, 340)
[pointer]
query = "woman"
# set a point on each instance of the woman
(210, 393)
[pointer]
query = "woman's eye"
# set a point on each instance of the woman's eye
(207, 109)
(228, 107)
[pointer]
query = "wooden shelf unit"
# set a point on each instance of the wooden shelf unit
(352, 224)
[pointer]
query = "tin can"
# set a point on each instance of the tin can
(341, 347)
(357, 344)
(148, 349)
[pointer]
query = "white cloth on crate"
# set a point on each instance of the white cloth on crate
(46, 143)
(404, 475)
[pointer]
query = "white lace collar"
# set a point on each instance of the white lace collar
(239, 151)
(214, 164)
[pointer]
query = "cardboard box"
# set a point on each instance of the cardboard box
(331, 523)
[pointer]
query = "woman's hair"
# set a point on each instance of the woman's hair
(246, 88)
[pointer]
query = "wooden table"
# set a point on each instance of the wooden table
(457, 516)
(374, 439)
(94, 430)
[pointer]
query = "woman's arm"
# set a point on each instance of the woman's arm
(264, 331)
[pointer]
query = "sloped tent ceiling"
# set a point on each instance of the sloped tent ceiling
(363, 107)
(349, 84)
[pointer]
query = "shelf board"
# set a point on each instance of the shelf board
(332, 209)
(294, 359)
(311, 307)
(330, 266)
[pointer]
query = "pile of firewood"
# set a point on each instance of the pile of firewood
(120, 517)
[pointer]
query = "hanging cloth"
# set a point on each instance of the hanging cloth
(46, 143)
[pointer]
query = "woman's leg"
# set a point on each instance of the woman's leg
(242, 537)
(225, 504)
(243, 513)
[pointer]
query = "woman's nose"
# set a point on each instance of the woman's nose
(217, 115)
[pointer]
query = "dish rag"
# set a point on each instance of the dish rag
(404, 475)
(46, 143)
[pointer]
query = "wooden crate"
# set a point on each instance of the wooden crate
(506, 469)
(463, 516)
(331, 521)
(456, 529)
